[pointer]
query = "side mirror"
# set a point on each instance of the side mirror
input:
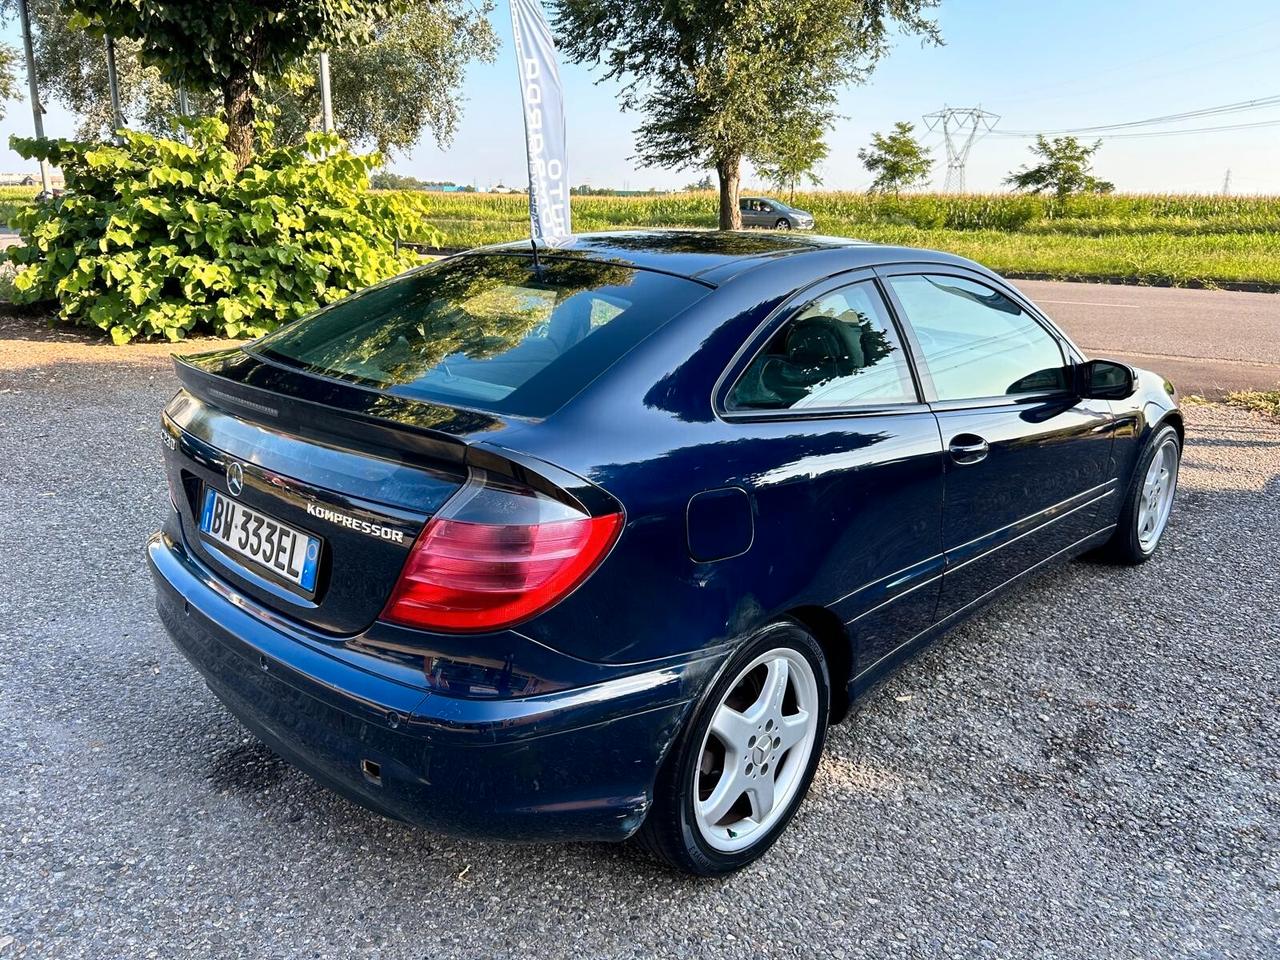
(1106, 380)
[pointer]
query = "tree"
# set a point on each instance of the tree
(386, 180)
(793, 155)
(897, 160)
(718, 82)
(706, 183)
(72, 69)
(407, 78)
(386, 91)
(1065, 168)
(9, 87)
(232, 46)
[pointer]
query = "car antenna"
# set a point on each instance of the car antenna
(537, 265)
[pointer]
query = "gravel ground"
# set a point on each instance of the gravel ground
(1091, 769)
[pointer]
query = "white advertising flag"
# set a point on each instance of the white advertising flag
(543, 100)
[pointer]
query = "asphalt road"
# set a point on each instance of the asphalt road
(1090, 770)
(1208, 342)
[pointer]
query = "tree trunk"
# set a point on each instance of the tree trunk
(729, 172)
(237, 100)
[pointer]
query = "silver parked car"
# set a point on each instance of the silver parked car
(774, 214)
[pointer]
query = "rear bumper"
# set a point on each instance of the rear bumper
(578, 764)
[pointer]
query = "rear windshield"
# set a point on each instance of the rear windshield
(487, 332)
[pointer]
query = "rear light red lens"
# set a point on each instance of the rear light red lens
(496, 555)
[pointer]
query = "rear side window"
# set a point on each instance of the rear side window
(839, 351)
(976, 341)
(487, 332)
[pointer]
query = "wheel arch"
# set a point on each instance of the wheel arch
(1174, 419)
(837, 645)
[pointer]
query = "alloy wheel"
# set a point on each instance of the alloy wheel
(1156, 499)
(756, 750)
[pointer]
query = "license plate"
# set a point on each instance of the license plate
(266, 542)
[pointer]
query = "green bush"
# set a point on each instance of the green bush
(159, 238)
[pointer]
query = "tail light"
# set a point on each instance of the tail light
(498, 553)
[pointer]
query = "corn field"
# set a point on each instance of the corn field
(1178, 239)
(1151, 238)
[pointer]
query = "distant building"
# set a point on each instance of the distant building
(500, 188)
(29, 180)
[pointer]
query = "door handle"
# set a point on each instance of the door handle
(968, 448)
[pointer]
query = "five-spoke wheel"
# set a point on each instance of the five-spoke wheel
(756, 749)
(1144, 514)
(747, 757)
(1157, 493)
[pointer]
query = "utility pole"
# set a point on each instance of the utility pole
(961, 128)
(113, 84)
(37, 111)
(184, 110)
(1226, 183)
(326, 98)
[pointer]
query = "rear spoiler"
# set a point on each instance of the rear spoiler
(336, 413)
(322, 409)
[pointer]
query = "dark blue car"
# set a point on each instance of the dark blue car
(595, 544)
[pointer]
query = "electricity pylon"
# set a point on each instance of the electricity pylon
(961, 128)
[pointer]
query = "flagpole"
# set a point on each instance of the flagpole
(542, 99)
(524, 115)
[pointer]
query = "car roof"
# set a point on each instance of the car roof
(715, 256)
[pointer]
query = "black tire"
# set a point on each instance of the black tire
(670, 831)
(1124, 547)
(782, 224)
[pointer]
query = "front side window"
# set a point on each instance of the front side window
(976, 341)
(840, 351)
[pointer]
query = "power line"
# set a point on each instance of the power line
(1164, 133)
(1226, 108)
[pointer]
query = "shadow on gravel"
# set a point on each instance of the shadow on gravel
(1233, 442)
(246, 768)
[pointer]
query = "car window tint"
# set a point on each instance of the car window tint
(839, 351)
(976, 341)
(495, 333)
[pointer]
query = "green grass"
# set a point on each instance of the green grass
(1159, 239)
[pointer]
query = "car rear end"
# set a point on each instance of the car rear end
(355, 541)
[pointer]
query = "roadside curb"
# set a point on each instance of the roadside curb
(1241, 286)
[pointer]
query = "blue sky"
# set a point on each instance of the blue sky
(1045, 65)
